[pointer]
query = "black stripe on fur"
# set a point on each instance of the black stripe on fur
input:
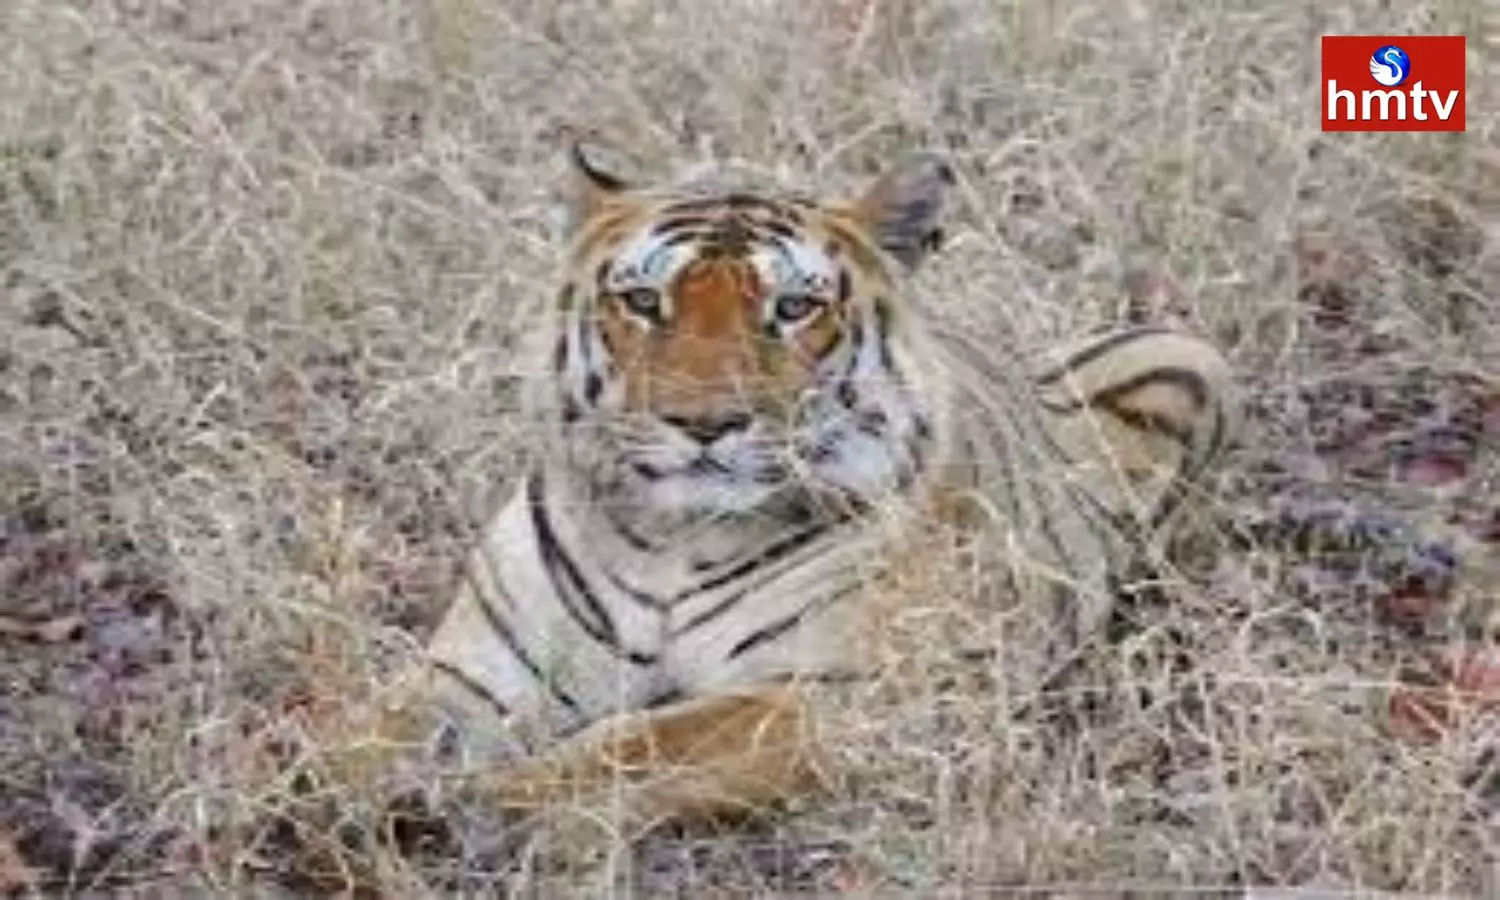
(573, 590)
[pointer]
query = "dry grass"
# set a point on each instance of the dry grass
(261, 264)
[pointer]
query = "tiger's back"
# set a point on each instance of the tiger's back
(1081, 464)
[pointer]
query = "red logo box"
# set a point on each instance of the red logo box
(1361, 93)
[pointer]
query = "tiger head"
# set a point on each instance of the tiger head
(717, 348)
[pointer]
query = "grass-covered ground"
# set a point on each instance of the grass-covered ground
(262, 266)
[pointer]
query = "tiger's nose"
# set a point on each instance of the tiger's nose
(707, 429)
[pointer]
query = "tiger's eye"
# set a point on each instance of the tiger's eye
(644, 302)
(796, 307)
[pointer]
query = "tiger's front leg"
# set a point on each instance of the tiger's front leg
(709, 759)
(705, 758)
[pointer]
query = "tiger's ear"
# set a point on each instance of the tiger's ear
(901, 209)
(591, 186)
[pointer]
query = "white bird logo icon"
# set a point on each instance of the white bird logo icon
(1389, 66)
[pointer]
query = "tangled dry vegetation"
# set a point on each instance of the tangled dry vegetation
(262, 265)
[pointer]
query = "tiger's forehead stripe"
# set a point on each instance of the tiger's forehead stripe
(783, 257)
(737, 202)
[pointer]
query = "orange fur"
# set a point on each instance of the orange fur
(710, 354)
(706, 758)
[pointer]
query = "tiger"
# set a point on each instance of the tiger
(739, 407)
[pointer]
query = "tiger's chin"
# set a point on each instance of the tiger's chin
(855, 475)
(693, 493)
